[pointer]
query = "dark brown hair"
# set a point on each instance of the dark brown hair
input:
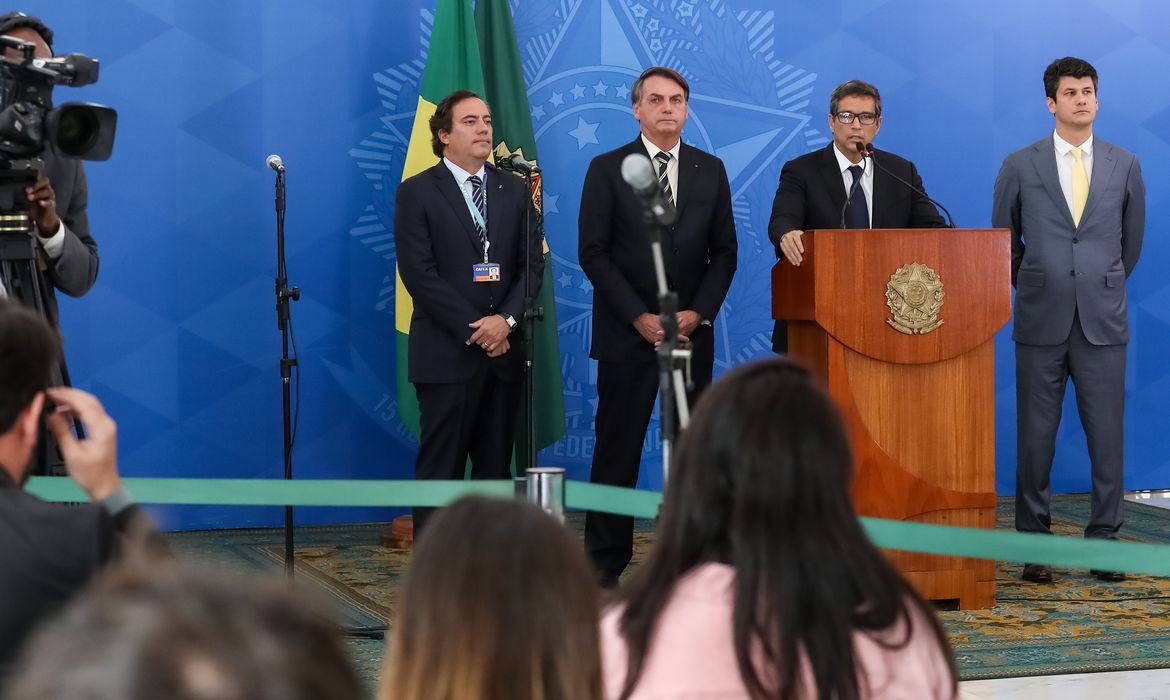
(1067, 67)
(760, 482)
(661, 72)
(160, 630)
(29, 348)
(855, 88)
(499, 604)
(443, 118)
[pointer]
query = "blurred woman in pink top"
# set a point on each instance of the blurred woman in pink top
(762, 583)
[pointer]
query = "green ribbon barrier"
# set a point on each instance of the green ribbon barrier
(279, 492)
(612, 499)
(1000, 545)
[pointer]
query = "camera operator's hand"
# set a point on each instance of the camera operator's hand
(43, 207)
(92, 462)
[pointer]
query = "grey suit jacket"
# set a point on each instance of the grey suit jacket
(75, 272)
(1059, 269)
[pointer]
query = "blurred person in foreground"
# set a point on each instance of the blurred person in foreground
(50, 551)
(761, 582)
(499, 604)
(158, 630)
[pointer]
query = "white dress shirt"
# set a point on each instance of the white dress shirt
(671, 167)
(847, 178)
(462, 177)
(1064, 164)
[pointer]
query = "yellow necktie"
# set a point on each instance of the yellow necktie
(1080, 187)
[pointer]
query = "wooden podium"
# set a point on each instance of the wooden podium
(900, 324)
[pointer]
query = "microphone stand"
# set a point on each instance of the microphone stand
(673, 360)
(283, 296)
(532, 314)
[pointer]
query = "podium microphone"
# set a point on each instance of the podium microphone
(516, 163)
(853, 187)
(867, 150)
(639, 175)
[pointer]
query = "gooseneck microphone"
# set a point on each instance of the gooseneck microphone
(516, 163)
(639, 175)
(853, 187)
(275, 162)
(867, 150)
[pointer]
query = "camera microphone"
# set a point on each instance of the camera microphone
(639, 175)
(274, 161)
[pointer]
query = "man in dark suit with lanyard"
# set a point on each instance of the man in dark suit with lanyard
(813, 188)
(459, 230)
(614, 251)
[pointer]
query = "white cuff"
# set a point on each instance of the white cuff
(54, 245)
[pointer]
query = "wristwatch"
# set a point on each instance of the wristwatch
(511, 321)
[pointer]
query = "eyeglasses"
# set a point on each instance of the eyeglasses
(867, 118)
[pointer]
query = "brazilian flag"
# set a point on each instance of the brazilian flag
(512, 131)
(452, 64)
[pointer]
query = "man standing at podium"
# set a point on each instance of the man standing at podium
(1076, 207)
(814, 187)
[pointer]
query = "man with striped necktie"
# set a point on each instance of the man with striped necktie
(699, 252)
(459, 230)
(1076, 207)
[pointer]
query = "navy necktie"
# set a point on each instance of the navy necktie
(477, 196)
(857, 215)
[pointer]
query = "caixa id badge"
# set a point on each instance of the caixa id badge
(485, 272)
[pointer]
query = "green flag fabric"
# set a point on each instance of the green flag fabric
(507, 95)
(453, 63)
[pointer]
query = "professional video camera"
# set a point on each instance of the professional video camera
(29, 123)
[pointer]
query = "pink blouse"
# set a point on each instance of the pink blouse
(693, 652)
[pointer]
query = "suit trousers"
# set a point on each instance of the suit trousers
(626, 394)
(1098, 375)
(473, 419)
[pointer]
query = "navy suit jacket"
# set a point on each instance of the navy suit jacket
(812, 193)
(699, 250)
(1059, 269)
(437, 245)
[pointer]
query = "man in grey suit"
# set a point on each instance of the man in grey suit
(1076, 207)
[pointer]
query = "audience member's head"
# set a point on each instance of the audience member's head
(164, 631)
(29, 349)
(760, 481)
(499, 604)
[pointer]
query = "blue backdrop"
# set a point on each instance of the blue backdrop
(179, 335)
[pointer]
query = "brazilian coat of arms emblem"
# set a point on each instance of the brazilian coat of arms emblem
(914, 295)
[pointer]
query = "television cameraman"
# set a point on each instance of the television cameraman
(67, 253)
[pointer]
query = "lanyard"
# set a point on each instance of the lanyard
(475, 214)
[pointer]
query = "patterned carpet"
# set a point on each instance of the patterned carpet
(1075, 625)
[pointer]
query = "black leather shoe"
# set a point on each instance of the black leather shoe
(1103, 575)
(1037, 573)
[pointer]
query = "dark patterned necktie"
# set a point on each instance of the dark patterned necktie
(477, 196)
(857, 215)
(663, 159)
